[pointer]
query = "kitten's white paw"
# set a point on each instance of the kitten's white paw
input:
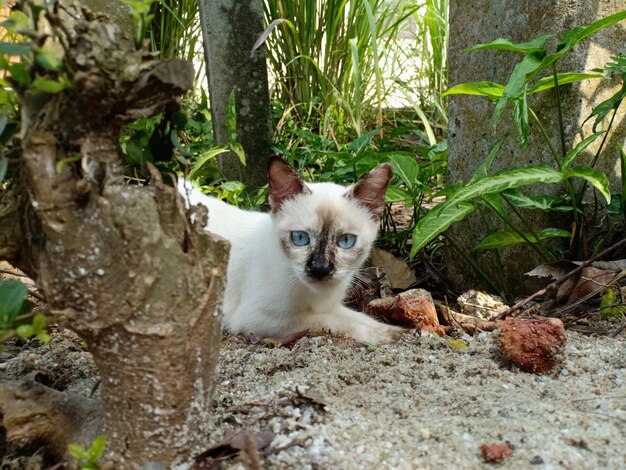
(381, 334)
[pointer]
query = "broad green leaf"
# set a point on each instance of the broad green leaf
(564, 78)
(606, 106)
(535, 45)
(204, 158)
(552, 232)
(572, 154)
(507, 179)
(457, 205)
(484, 168)
(239, 151)
(25, 331)
(490, 89)
(495, 203)
(39, 322)
(406, 168)
(521, 75)
(437, 221)
(595, 177)
(12, 48)
(394, 194)
(77, 451)
(20, 74)
(17, 21)
(517, 198)
(12, 295)
(610, 305)
(97, 448)
(361, 143)
(575, 35)
(51, 86)
(520, 118)
(505, 238)
(50, 56)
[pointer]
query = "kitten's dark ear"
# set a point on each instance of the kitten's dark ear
(284, 183)
(369, 191)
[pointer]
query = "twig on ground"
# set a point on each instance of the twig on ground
(559, 281)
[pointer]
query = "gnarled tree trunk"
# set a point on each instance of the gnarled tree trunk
(121, 265)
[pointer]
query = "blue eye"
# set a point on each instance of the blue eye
(347, 240)
(300, 238)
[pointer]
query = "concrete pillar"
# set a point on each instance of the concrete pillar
(230, 29)
(470, 117)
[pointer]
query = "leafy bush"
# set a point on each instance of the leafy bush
(500, 190)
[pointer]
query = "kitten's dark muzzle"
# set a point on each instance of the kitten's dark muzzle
(318, 269)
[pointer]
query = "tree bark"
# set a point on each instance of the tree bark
(230, 30)
(122, 265)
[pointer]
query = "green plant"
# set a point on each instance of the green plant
(328, 59)
(16, 317)
(502, 188)
(140, 13)
(89, 457)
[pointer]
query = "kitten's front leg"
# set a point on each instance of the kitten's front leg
(355, 324)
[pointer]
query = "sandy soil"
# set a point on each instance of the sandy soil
(418, 404)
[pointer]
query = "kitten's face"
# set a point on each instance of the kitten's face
(326, 230)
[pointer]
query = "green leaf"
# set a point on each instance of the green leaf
(43, 337)
(12, 48)
(25, 331)
(69, 159)
(489, 89)
(457, 205)
(17, 21)
(484, 168)
(610, 305)
(507, 179)
(495, 203)
(20, 74)
(239, 151)
(575, 35)
(520, 118)
(572, 154)
(405, 167)
(544, 203)
(564, 78)
(51, 86)
(50, 56)
(204, 158)
(505, 238)
(458, 344)
(12, 295)
(77, 451)
(606, 106)
(97, 448)
(437, 221)
(39, 322)
(529, 66)
(595, 177)
(535, 45)
(395, 194)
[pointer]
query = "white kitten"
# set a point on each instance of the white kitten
(289, 270)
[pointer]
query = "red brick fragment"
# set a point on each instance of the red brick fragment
(532, 344)
(495, 452)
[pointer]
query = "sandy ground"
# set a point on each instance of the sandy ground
(423, 404)
(336, 404)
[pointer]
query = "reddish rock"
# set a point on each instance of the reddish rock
(495, 452)
(413, 309)
(532, 344)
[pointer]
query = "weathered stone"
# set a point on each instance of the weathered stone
(470, 117)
